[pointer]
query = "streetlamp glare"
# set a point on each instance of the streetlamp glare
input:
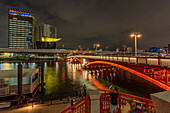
(139, 35)
(132, 35)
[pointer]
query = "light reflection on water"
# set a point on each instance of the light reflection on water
(58, 76)
(64, 77)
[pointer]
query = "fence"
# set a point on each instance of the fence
(80, 107)
(123, 99)
(105, 99)
(147, 105)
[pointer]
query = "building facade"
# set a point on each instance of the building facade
(21, 29)
(47, 37)
(46, 30)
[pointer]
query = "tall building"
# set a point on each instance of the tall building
(21, 29)
(47, 37)
(46, 30)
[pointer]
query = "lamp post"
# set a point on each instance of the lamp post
(107, 48)
(97, 45)
(80, 47)
(136, 35)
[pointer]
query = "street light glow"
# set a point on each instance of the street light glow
(97, 45)
(139, 35)
(132, 35)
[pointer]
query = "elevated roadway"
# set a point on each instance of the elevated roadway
(46, 51)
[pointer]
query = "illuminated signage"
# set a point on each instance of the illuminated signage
(22, 13)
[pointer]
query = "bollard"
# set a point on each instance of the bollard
(72, 103)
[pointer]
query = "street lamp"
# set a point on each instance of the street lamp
(80, 47)
(136, 35)
(107, 48)
(96, 45)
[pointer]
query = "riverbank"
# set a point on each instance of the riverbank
(30, 61)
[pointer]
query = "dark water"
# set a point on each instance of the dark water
(127, 81)
(59, 77)
(65, 77)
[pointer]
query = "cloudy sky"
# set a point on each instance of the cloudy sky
(108, 22)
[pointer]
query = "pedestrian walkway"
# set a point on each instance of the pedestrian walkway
(56, 107)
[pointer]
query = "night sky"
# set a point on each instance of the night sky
(108, 22)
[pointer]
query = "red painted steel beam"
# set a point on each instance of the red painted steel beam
(162, 85)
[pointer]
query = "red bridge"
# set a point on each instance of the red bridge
(153, 69)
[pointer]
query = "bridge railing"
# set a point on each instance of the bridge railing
(123, 99)
(80, 107)
(105, 100)
(147, 105)
(131, 59)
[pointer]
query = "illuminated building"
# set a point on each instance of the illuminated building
(21, 29)
(46, 30)
(47, 37)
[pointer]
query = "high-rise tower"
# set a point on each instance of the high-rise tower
(47, 37)
(46, 30)
(21, 29)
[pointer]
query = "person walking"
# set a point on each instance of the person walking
(113, 92)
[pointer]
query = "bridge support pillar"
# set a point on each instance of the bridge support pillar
(161, 101)
(55, 56)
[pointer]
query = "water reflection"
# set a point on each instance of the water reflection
(64, 77)
(58, 76)
(126, 80)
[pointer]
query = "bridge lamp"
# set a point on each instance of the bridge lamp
(136, 35)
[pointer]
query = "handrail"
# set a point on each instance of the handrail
(85, 101)
(132, 96)
(126, 97)
(105, 100)
(122, 98)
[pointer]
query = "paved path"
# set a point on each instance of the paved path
(40, 108)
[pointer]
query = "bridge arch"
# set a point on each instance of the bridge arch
(78, 59)
(132, 71)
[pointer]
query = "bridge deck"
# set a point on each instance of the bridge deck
(158, 74)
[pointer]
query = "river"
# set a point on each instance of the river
(65, 77)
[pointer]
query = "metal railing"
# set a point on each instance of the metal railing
(105, 100)
(123, 99)
(147, 105)
(80, 107)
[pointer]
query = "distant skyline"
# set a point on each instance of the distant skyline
(107, 22)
